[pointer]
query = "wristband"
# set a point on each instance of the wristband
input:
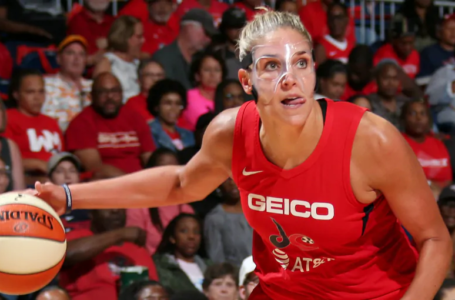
(69, 199)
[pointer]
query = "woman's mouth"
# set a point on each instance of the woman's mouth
(293, 102)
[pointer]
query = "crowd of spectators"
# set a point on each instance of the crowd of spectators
(88, 95)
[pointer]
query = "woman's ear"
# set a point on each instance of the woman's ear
(245, 81)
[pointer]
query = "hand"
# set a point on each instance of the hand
(101, 43)
(39, 31)
(53, 194)
(134, 235)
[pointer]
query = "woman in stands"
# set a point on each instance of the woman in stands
(125, 40)
(229, 93)
(332, 79)
(177, 261)
(207, 71)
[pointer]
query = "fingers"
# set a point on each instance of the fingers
(38, 187)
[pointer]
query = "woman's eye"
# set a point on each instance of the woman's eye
(271, 66)
(302, 63)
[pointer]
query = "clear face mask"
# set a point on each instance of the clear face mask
(273, 64)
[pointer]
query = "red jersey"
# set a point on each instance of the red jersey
(38, 137)
(433, 157)
(411, 65)
(157, 36)
(120, 141)
(335, 49)
(312, 238)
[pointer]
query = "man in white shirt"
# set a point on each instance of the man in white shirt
(67, 92)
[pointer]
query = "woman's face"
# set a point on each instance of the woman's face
(187, 237)
(416, 121)
(285, 96)
(333, 88)
(222, 289)
(363, 102)
(210, 74)
(136, 41)
(233, 96)
(170, 108)
(150, 74)
(153, 292)
(167, 160)
(4, 177)
(65, 172)
(30, 95)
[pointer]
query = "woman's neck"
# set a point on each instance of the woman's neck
(23, 111)
(124, 56)
(275, 139)
(207, 93)
(447, 47)
(181, 257)
(231, 207)
(166, 126)
(205, 3)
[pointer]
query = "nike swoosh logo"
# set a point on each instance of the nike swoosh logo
(246, 173)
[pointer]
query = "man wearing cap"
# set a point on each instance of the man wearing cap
(93, 23)
(248, 280)
(67, 92)
(157, 32)
(196, 29)
(441, 53)
(401, 49)
(234, 19)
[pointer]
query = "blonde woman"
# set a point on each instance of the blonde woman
(125, 40)
(325, 185)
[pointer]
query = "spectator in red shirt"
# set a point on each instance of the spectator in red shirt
(166, 101)
(108, 138)
(135, 8)
(360, 72)
(289, 6)
(332, 79)
(335, 45)
(431, 152)
(401, 49)
(157, 32)
(314, 17)
(38, 136)
(149, 72)
(214, 7)
(93, 23)
(95, 256)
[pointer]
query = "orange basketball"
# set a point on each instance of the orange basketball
(32, 244)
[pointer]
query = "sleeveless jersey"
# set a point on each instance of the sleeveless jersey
(312, 238)
(335, 49)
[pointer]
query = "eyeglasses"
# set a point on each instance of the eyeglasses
(5, 171)
(230, 96)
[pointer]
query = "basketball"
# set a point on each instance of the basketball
(32, 244)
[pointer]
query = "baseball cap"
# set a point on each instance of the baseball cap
(247, 267)
(450, 17)
(203, 17)
(402, 27)
(58, 157)
(233, 18)
(74, 38)
(447, 194)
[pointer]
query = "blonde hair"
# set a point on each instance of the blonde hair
(265, 23)
(120, 32)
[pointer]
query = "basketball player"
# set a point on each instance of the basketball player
(322, 183)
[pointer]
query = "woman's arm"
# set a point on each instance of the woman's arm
(160, 186)
(18, 169)
(391, 168)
